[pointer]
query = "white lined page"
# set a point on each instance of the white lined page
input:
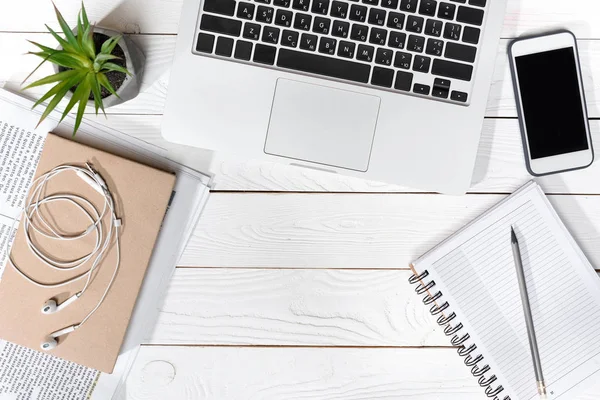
(476, 272)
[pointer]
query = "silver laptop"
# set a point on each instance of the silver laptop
(388, 90)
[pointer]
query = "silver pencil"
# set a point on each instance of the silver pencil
(535, 353)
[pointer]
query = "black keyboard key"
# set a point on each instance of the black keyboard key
(393, 4)
(284, 18)
(422, 64)
(471, 35)
(346, 49)
(326, 66)
(365, 53)
(460, 1)
(478, 3)
(289, 38)
(264, 54)
(397, 40)
(403, 60)
(396, 20)
(322, 25)
(340, 29)
(308, 42)
(408, 5)
(450, 69)
(378, 36)
(371, 2)
(251, 31)
(245, 10)
(459, 96)
(265, 14)
(327, 46)
(224, 46)
(460, 52)
(358, 13)
(416, 43)
(421, 89)
(447, 11)
(339, 9)
(270, 35)
(470, 15)
(452, 31)
(403, 81)
(428, 7)
(225, 7)
(221, 25)
(415, 24)
(263, 1)
(435, 47)
(320, 7)
(303, 22)
(243, 50)
(382, 77)
(377, 16)
(434, 27)
(440, 93)
(441, 83)
(384, 57)
(359, 32)
(205, 43)
(282, 3)
(302, 5)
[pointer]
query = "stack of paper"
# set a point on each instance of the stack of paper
(20, 148)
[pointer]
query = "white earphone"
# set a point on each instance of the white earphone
(51, 340)
(34, 221)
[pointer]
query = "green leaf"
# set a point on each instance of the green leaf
(59, 86)
(84, 16)
(80, 29)
(100, 58)
(87, 42)
(62, 42)
(36, 68)
(76, 98)
(103, 80)
(45, 49)
(114, 67)
(109, 45)
(61, 76)
(70, 60)
(59, 94)
(66, 29)
(98, 103)
(81, 108)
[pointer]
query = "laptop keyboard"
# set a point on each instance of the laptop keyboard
(422, 47)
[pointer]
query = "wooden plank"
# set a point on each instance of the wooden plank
(158, 16)
(349, 230)
(295, 307)
(318, 374)
(160, 49)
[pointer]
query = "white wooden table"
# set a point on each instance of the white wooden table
(294, 285)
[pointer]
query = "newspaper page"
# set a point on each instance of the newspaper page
(28, 374)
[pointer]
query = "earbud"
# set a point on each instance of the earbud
(51, 340)
(50, 306)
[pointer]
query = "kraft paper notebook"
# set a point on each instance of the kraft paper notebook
(469, 283)
(141, 194)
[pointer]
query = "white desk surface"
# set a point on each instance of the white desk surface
(294, 285)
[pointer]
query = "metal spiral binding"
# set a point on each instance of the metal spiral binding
(458, 338)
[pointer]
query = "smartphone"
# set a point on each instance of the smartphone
(551, 103)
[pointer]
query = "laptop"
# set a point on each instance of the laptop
(386, 90)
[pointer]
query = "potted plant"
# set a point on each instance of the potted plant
(93, 66)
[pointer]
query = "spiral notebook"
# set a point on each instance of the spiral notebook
(469, 283)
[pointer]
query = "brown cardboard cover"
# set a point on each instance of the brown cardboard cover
(141, 194)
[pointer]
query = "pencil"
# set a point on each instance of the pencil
(535, 352)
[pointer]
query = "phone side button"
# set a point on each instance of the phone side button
(459, 96)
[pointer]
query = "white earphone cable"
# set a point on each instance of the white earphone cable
(34, 221)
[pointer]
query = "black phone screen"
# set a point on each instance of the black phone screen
(552, 106)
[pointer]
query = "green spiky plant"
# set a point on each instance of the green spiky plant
(83, 68)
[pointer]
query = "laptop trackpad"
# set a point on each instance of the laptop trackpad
(322, 125)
